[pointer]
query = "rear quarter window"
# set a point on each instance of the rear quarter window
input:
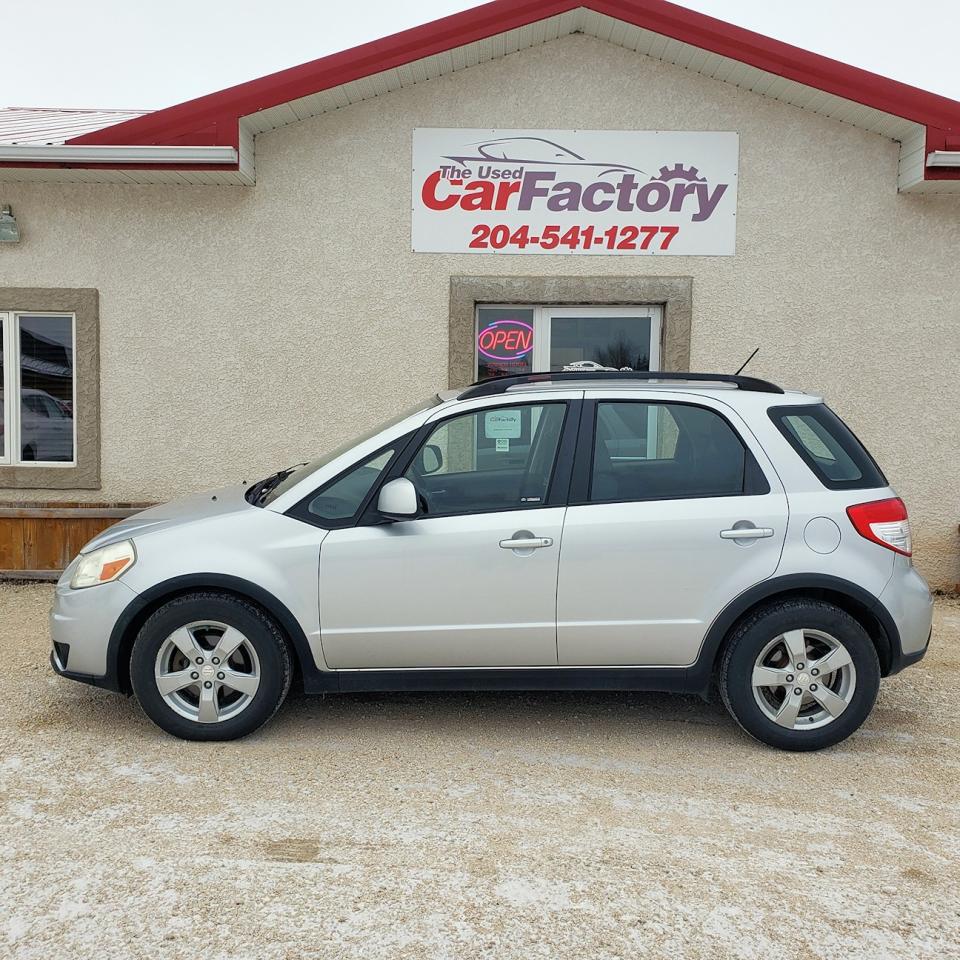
(828, 446)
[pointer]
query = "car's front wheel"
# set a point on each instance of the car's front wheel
(210, 666)
(800, 674)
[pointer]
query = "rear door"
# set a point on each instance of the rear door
(651, 553)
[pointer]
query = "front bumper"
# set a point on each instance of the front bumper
(81, 623)
(107, 682)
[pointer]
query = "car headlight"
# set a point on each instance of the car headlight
(103, 565)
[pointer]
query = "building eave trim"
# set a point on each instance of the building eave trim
(123, 155)
(944, 158)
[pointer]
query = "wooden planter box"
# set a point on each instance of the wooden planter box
(37, 540)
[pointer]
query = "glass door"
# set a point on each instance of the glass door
(522, 339)
(613, 338)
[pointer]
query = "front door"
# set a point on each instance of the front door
(471, 582)
(671, 518)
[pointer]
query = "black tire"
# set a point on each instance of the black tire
(276, 668)
(756, 631)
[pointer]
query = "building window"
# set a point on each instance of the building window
(39, 389)
(49, 388)
(672, 298)
(512, 340)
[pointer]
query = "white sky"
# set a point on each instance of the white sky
(153, 53)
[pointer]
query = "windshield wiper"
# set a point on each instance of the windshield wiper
(260, 490)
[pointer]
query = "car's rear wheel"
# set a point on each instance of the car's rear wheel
(210, 666)
(800, 675)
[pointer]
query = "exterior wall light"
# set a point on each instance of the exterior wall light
(9, 228)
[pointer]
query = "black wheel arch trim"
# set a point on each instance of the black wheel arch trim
(117, 677)
(702, 671)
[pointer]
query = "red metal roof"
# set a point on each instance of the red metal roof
(214, 119)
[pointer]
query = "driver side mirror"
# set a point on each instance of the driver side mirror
(398, 500)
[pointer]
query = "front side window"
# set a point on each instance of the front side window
(37, 389)
(341, 500)
(659, 451)
(501, 458)
(300, 472)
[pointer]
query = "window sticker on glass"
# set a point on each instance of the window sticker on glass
(502, 425)
(503, 445)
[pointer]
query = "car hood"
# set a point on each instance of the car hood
(200, 506)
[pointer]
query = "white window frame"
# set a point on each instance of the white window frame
(6, 343)
(11, 389)
(543, 313)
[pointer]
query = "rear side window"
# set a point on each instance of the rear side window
(828, 446)
(666, 451)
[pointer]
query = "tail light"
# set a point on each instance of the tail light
(884, 522)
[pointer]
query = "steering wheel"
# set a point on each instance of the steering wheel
(331, 508)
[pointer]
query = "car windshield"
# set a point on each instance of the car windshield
(277, 484)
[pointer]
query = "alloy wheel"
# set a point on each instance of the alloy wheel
(207, 671)
(804, 679)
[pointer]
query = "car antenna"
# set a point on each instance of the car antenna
(745, 362)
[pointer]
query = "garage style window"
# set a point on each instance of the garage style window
(37, 389)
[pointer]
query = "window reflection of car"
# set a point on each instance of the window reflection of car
(535, 150)
(46, 427)
(587, 366)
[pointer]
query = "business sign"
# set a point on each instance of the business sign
(613, 192)
(505, 340)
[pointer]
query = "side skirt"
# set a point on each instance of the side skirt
(671, 680)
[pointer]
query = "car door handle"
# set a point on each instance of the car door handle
(747, 533)
(527, 543)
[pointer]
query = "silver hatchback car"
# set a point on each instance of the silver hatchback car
(677, 532)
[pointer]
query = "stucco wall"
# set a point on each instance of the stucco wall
(243, 329)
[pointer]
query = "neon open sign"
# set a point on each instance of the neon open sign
(505, 340)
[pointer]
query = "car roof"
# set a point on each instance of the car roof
(753, 392)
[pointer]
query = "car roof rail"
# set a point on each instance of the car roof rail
(494, 385)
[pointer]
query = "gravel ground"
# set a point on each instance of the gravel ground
(497, 826)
